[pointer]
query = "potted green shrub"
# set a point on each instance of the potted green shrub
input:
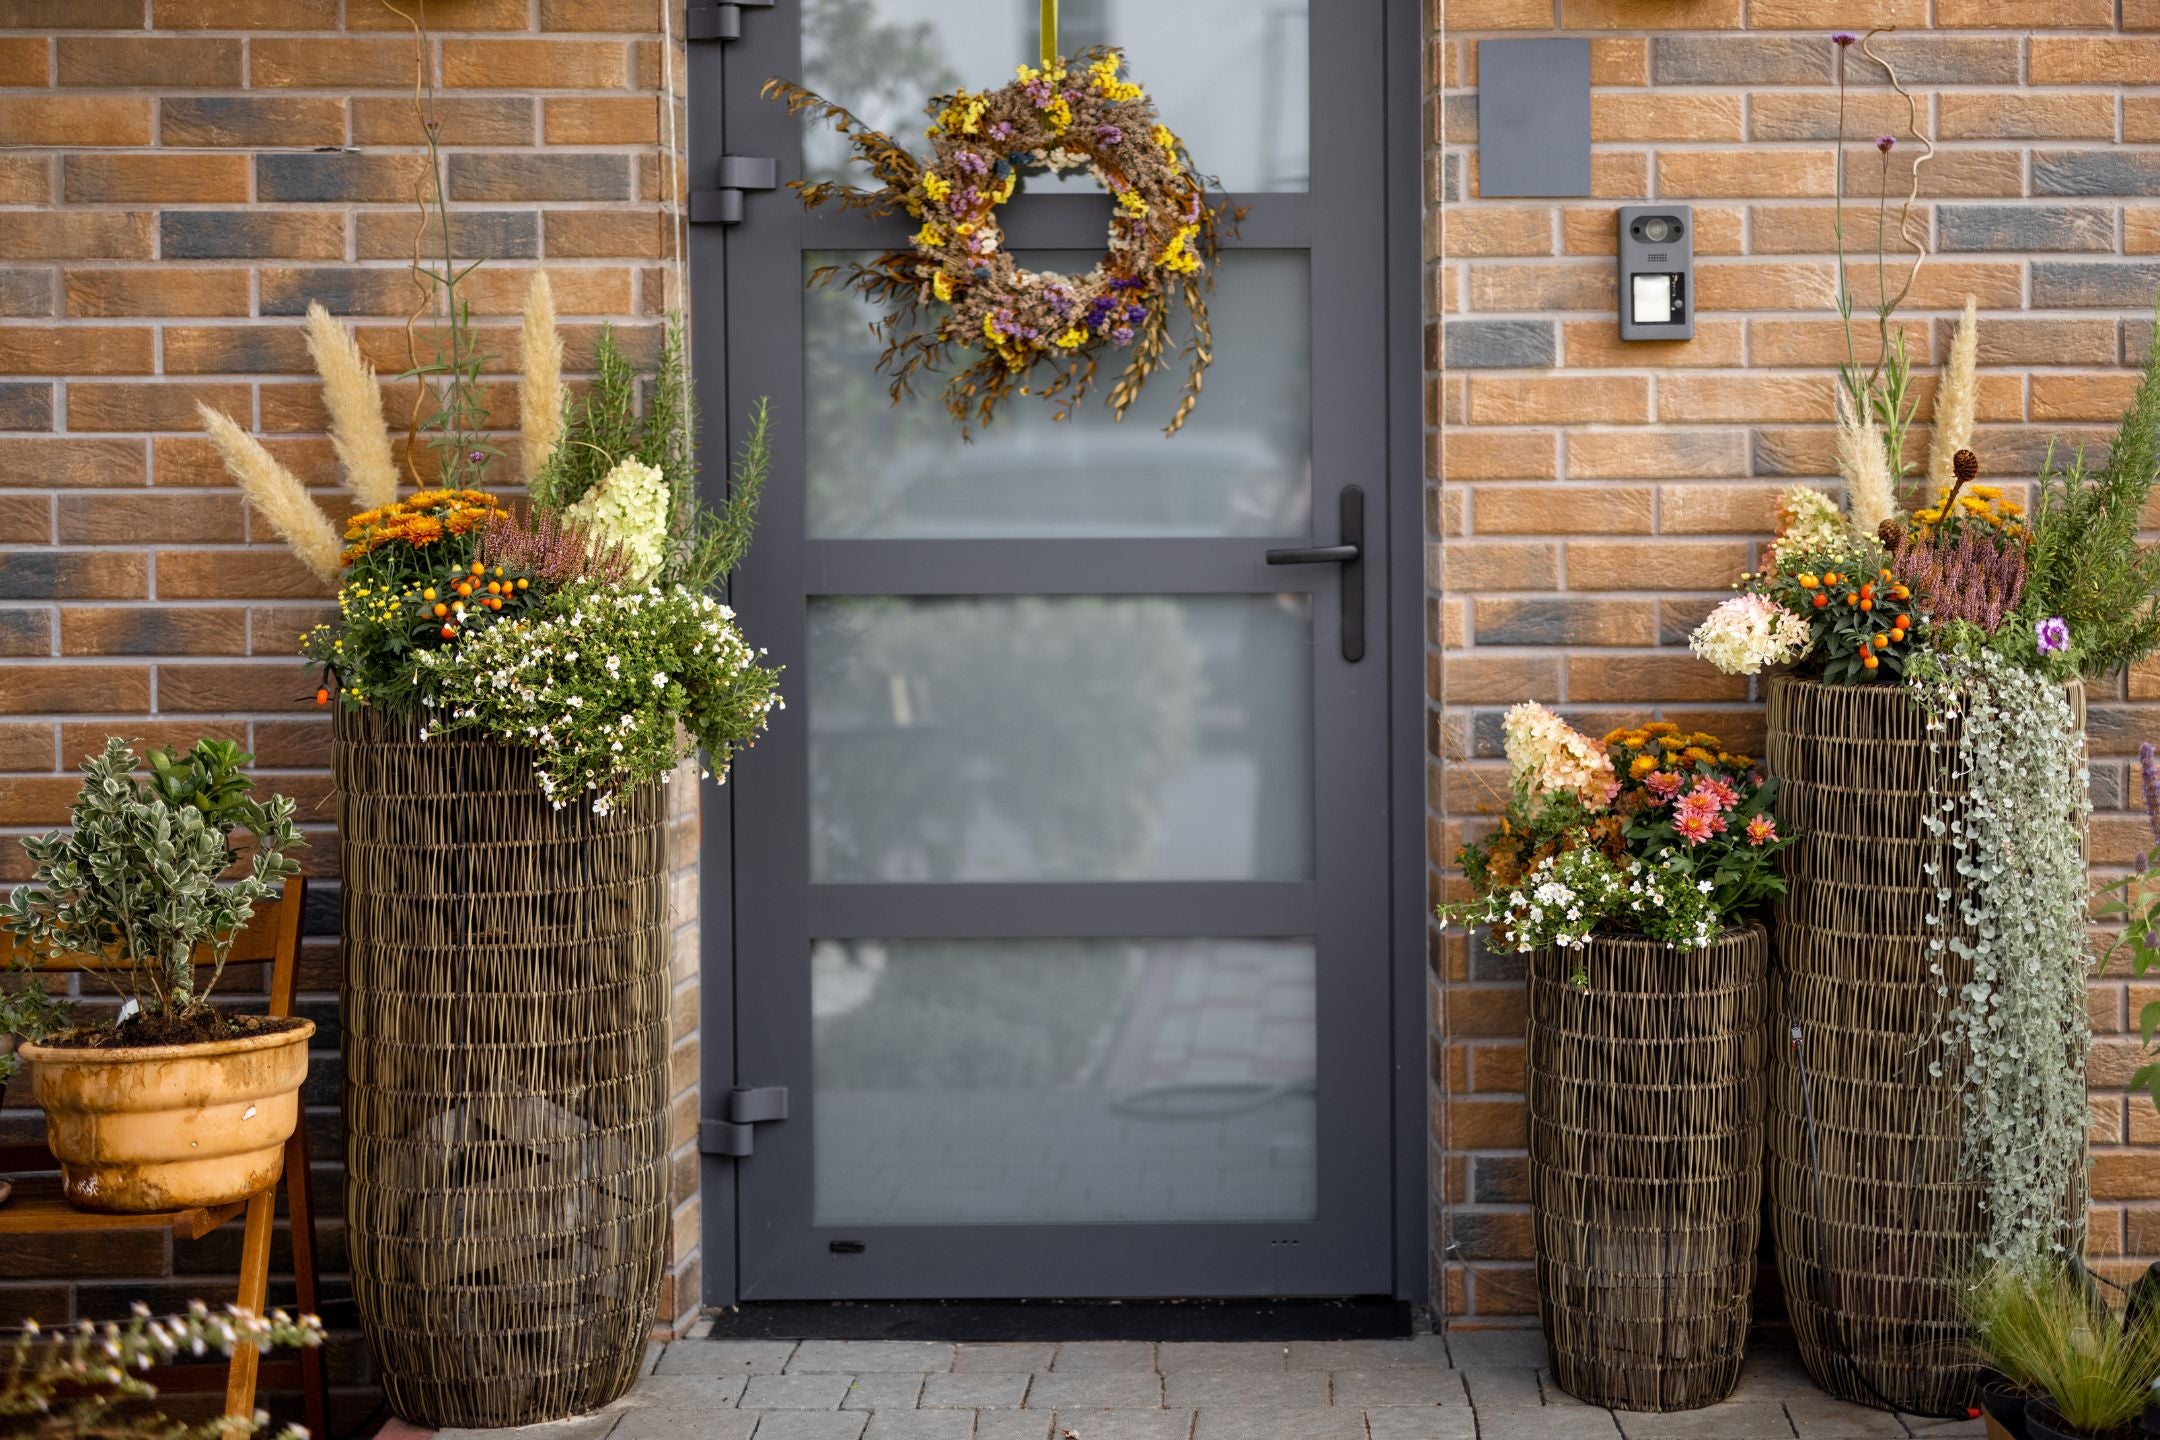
(2087, 1369)
(173, 1103)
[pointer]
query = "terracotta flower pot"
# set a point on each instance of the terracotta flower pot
(170, 1127)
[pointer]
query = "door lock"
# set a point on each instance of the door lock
(1350, 554)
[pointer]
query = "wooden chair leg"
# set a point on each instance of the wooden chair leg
(300, 1214)
(254, 1289)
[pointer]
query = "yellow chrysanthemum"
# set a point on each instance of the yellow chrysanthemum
(929, 237)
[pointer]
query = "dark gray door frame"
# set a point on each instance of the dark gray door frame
(1404, 674)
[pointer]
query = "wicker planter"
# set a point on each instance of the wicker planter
(1875, 1214)
(505, 1013)
(1646, 1112)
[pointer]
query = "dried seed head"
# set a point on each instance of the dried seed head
(1965, 465)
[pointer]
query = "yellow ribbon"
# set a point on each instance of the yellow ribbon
(1049, 33)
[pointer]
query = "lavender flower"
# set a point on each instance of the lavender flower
(1843, 38)
(2052, 635)
(2149, 771)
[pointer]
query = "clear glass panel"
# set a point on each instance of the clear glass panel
(987, 1082)
(1241, 466)
(1228, 75)
(1082, 738)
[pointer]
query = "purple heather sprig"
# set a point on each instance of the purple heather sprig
(1973, 576)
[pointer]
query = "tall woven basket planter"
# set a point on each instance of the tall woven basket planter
(1646, 1111)
(505, 1011)
(1876, 1213)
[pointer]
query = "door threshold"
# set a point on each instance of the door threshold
(990, 1321)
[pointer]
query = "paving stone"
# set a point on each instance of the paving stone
(1451, 1424)
(1249, 1389)
(1022, 1357)
(1368, 1389)
(1368, 1354)
(864, 1357)
(1557, 1394)
(652, 1358)
(1275, 1422)
(808, 1425)
(1095, 1390)
(989, 1390)
(1580, 1422)
(676, 1425)
(1497, 1349)
(1946, 1429)
(1821, 1418)
(1105, 1355)
(1012, 1425)
(883, 1392)
(726, 1357)
(1124, 1424)
(584, 1427)
(1733, 1420)
(794, 1392)
(1218, 1355)
(921, 1425)
(678, 1393)
(1504, 1389)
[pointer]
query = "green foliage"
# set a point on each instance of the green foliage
(2051, 1336)
(1851, 602)
(604, 684)
(716, 540)
(599, 431)
(2086, 564)
(28, 1012)
(87, 1382)
(138, 874)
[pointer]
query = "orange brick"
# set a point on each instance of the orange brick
(1635, 679)
(1743, 397)
(1499, 455)
(1714, 174)
(2023, 14)
(1667, 115)
(1845, 14)
(74, 120)
(1716, 509)
(120, 406)
(1550, 510)
(453, 15)
(1476, 230)
(1593, 231)
(76, 235)
(600, 120)
(1651, 564)
(250, 15)
(76, 350)
(1584, 286)
(75, 690)
(1475, 565)
(62, 463)
(2081, 397)
(152, 177)
(1618, 61)
(1666, 15)
(606, 234)
(641, 16)
(24, 60)
(162, 62)
(2027, 115)
(464, 120)
(1475, 679)
(166, 290)
(190, 518)
(25, 179)
(321, 63)
(1596, 345)
(1473, 15)
(1788, 344)
(1657, 454)
(1573, 399)
(2093, 60)
(535, 64)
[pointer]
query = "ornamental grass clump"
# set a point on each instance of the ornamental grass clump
(2052, 1335)
(1652, 831)
(138, 875)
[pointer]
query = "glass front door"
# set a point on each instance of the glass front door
(1059, 891)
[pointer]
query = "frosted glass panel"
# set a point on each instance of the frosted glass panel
(1242, 465)
(1081, 738)
(1228, 75)
(986, 1082)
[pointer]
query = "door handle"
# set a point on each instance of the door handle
(1350, 554)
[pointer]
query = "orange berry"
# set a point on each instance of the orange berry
(522, 582)
(1851, 598)
(494, 587)
(1871, 662)
(494, 602)
(464, 588)
(1900, 592)
(478, 568)
(1867, 591)
(441, 610)
(1898, 636)
(1867, 605)
(449, 632)
(322, 696)
(1821, 600)
(1903, 622)
(1882, 642)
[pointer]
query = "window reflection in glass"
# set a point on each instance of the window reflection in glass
(1068, 738)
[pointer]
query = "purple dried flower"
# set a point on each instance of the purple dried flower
(1110, 134)
(1122, 336)
(2149, 771)
(1001, 130)
(2052, 635)
(1972, 576)
(476, 456)
(1885, 142)
(969, 161)
(1843, 38)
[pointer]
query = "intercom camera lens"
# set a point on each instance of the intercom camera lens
(1658, 230)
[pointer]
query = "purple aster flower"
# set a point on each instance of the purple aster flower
(1843, 38)
(2053, 635)
(1002, 130)
(1885, 142)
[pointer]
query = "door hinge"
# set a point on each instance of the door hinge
(723, 204)
(746, 1106)
(717, 19)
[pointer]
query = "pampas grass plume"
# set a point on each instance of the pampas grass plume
(1954, 402)
(277, 495)
(1870, 495)
(354, 400)
(540, 387)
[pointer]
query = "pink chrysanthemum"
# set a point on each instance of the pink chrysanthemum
(1717, 791)
(1761, 830)
(1662, 783)
(1696, 826)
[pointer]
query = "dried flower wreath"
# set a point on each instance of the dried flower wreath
(1063, 115)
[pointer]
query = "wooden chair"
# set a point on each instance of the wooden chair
(39, 1208)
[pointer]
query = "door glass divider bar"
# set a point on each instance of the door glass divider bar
(1066, 222)
(1107, 566)
(1130, 910)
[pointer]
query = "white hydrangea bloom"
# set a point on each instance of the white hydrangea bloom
(630, 508)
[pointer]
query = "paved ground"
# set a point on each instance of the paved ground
(1468, 1386)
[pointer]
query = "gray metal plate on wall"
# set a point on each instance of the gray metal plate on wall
(1533, 117)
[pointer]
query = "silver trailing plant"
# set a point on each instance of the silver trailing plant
(2010, 820)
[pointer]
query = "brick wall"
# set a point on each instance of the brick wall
(178, 178)
(1592, 500)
